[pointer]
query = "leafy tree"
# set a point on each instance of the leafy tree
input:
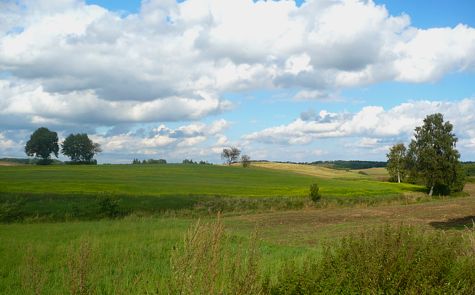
(396, 162)
(42, 144)
(79, 148)
(230, 155)
(245, 161)
(433, 156)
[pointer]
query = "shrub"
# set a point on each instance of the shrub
(389, 260)
(108, 207)
(314, 193)
(11, 211)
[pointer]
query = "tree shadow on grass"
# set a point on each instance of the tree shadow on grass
(455, 223)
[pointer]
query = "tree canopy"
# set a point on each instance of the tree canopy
(79, 148)
(396, 162)
(42, 144)
(230, 155)
(433, 156)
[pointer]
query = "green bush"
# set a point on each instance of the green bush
(109, 207)
(11, 211)
(387, 260)
(314, 193)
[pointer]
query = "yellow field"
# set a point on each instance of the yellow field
(375, 173)
(312, 170)
(9, 164)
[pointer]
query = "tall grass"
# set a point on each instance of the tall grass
(206, 264)
(79, 269)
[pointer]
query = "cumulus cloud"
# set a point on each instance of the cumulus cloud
(162, 62)
(164, 140)
(372, 124)
(65, 63)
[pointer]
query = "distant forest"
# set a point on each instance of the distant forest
(339, 164)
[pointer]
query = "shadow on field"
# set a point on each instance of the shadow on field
(455, 223)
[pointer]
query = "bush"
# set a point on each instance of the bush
(388, 260)
(108, 207)
(314, 193)
(11, 211)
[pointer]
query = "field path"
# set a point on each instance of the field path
(312, 226)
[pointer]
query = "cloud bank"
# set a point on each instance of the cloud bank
(67, 63)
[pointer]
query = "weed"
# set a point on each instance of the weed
(204, 265)
(32, 274)
(79, 268)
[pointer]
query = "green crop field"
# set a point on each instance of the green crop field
(179, 180)
(83, 192)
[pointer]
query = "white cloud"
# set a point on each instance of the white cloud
(38, 106)
(164, 139)
(65, 63)
(371, 123)
(157, 62)
(6, 143)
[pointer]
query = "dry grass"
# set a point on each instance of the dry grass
(79, 268)
(2, 163)
(32, 274)
(206, 264)
(380, 174)
(312, 226)
(311, 170)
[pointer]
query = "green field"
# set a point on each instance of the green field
(61, 238)
(64, 192)
(183, 180)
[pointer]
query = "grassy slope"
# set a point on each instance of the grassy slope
(183, 180)
(132, 255)
(156, 180)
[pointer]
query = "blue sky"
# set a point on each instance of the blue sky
(320, 80)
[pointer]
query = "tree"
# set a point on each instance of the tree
(432, 155)
(230, 155)
(42, 143)
(79, 148)
(396, 162)
(245, 161)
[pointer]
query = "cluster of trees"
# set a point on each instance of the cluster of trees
(190, 161)
(78, 147)
(431, 158)
(149, 161)
(231, 155)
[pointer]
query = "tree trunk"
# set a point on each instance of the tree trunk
(431, 191)
(398, 177)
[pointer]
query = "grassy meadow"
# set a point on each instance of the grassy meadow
(275, 246)
(67, 192)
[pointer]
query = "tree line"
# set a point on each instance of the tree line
(78, 147)
(430, 159)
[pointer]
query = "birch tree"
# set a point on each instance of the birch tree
(396, 162)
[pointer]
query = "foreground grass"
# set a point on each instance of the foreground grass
(132, 255)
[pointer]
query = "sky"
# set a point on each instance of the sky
(281, 80)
